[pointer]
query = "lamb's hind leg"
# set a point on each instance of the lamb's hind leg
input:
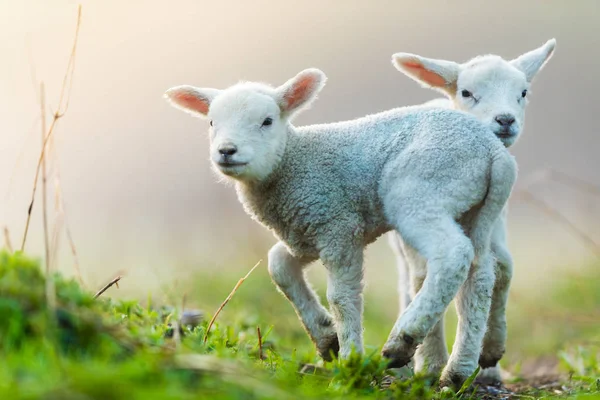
(449, 254)
(287, 273)
(494, 341)
(473, 306)
(432, 355)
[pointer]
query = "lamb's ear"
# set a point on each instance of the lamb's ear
(190, 99)
(532, 62)
(436, 74)
(300, 91)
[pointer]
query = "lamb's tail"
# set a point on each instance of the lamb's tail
(502, 178)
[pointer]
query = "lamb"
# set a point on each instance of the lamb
(326, 191)
(495, 91)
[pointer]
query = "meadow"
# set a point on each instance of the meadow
(76, 346)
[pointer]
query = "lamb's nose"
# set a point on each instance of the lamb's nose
(505, 120)
(228, 150)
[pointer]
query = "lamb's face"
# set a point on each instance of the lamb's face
(496, 93)
(249, 121)
(492, 89)
(247, 133)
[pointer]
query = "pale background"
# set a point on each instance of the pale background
(140, 195)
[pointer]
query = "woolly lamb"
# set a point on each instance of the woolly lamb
(495, 91)
(326, 191)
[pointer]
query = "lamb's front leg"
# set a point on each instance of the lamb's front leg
(287, 273)
(345, 296)
(473, 307)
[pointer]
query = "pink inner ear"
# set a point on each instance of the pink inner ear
(423, 74)
(299, 91)
(192, 102)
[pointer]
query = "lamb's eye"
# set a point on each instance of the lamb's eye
(524, 93)
(268, 121)
(466, 94)
(211, 122)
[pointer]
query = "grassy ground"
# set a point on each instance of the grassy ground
(86, 348)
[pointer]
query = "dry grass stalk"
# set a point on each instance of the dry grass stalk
(7, 242)
(177, 322)
(557, 216)
(62, 109)
(574, 182)
(44, 186)
(176, 333)
(50, 287)
(61, 216)
(54, 243)
(73, 248)
(550, 174)
(114, 281)
(260, 345)
(237, 286)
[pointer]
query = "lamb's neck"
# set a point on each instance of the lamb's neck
(258, 195)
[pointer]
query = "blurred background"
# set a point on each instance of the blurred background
(139, 194)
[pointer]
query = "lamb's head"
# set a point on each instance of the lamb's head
(489, 87)
(249, 122)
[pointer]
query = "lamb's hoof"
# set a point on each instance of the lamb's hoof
(400, 351)
(452, 380)
(490, 359)
(489, 377)
(397, 359)
(329, 347)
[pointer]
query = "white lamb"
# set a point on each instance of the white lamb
(495, 91)
(326, 191)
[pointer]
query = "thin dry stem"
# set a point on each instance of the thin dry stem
(560, 218)
(176, 333)
(50, 287)
(551, 174)
(177, 322)
(114, 281)
(44, 186)
(73, 248)
(60, 208)
(54, 243)
(57, 115)
(574, 182)
(260, 345)
(7, 242)
(237, 286)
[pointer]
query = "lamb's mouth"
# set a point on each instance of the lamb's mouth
(231, 164)
(504, 134)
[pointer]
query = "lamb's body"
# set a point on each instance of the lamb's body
(485, 87)
(326, 191)
(340, 186)
(432, 355)
(335, 177)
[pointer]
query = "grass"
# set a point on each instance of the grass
(118, 349)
